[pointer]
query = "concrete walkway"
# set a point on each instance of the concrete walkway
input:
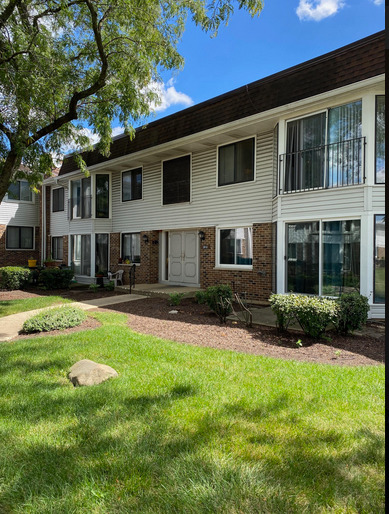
(11, 325)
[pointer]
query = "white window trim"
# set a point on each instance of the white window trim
(121, 186)
(21, 249)
(52, 240)
(190, 180)
(235, 184)
(242, 267)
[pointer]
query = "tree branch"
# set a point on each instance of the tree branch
(8, 11)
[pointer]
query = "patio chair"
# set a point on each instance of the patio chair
(116, 277)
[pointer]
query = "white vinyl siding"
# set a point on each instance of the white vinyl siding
(59, 223)
(19, 214)
(246, 202)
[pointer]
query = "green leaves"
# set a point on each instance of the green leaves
(85, 60)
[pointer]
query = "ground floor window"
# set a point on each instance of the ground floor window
(235, 246)
(131, 247)
(81, 254)
(323, 257)
(101, 263)
(57, 248)
(379, 259)
(20, 238)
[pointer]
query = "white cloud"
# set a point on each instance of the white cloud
(169, 96)
(319, 9)
(378, 2)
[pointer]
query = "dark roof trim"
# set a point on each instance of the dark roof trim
(352, 63)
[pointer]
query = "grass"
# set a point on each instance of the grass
(185, 430)
(8, 307)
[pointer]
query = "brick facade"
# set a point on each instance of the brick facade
(255, 284)
(147, 271)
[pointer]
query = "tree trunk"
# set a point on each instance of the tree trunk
(7, 170)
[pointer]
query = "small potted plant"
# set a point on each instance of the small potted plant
(50, 262)
(100, 278)
(31, 262)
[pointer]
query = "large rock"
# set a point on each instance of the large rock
(87, 373)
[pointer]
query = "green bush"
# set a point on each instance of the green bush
(110, 286)
(219, 299)
(54, 319)
(312, 313)
(55, 278)
(353, 309)
(175, 298)
(14, 277)
(94, 288)
(200, 297)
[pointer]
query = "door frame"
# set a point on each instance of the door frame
(164, 255)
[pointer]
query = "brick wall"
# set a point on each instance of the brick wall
(255, 285)
(147, 271)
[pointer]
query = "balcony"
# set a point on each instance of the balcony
(323, 167)
(80, 207)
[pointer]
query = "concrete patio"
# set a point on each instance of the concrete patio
(160, 290)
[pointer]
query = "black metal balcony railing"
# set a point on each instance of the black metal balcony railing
(328, 166)
(80, 207)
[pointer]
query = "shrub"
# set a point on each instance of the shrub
(353, 309)
(94, 287)
(175, 298)
(312, 313)
(200, 297)
(55, 278)
(283, 306)
(110, 286)
(219, 299)
(14, 277)
(54, 319)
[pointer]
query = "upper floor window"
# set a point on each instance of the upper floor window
(176, 180)
(20, 238)
(380, 140)
(80, 200)
(132, 185)
(236, 162)
(324, 150)
(58, 199)
(20, 190)
(235, 246)
(102, 196)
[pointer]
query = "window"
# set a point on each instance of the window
(323, 257)
(176, 180)
(20, 238)
(132, 185)
(379, 259)
(81, 254)
(58, 199)
(20, 190)
(235, 247)
(380, 140)
(131, 247)
(102, 196)
(236, 162)
(80, 200)
(324, 150)
(101, 253)
(57, 248)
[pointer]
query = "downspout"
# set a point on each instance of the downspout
(43, 241)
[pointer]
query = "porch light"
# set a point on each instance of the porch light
(202, 235)
(145, 238)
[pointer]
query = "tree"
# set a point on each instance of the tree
(65, 64)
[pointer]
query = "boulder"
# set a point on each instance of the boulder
(86, 373)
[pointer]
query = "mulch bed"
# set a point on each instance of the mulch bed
(197, 325)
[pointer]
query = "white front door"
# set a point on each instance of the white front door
(183, 257)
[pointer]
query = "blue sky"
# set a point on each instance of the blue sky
(286, 33)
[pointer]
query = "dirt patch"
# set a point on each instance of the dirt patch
(196, 324)
(5, 296)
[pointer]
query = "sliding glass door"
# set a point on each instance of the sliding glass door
(81, 254)
(323, 257)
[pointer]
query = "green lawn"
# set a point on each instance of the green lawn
(185, 430)
(8, 307)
